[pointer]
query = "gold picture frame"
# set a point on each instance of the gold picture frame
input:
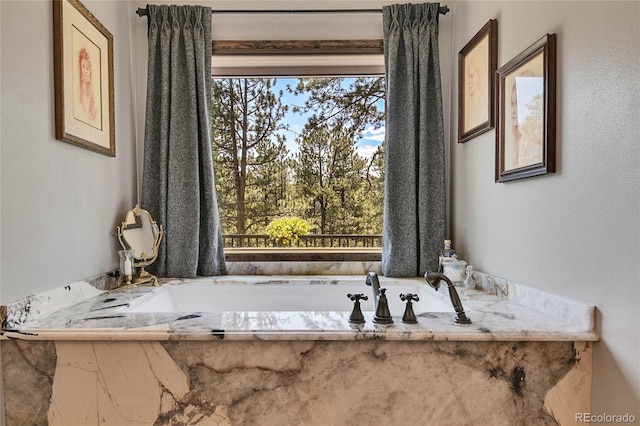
(477, 64)
(526, 129)
(83, 78)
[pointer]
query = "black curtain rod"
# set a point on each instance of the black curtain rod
(443, 11)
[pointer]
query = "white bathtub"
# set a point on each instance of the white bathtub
(255, 293)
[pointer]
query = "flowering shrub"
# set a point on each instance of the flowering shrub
(287, 230)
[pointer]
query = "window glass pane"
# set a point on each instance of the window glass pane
(304, 152)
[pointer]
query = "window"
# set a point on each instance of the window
(305, 152)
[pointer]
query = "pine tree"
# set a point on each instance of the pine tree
(249, 151)
(327, 182)
(337, 105)
(347, 190)
(327, 175)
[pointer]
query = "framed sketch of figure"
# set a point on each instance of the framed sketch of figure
(477, 63)
(83, 78)
(526, 130)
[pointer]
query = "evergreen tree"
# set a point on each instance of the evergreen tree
(338, 105)
(374, 192)
(327, 175)
(353, 201)
(327, 182)
(249, 152)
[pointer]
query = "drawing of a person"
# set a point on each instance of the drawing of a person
(86, 93)
(520, 140)
(476, 90)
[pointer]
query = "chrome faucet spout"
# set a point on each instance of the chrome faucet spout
(374, 283)
(433, 278)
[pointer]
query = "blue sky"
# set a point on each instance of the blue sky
(372, 138)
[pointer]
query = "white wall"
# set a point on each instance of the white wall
(576, 232)
(59, 202)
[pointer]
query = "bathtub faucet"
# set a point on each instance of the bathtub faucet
(433, 278)
(382, 315)
(372, 280)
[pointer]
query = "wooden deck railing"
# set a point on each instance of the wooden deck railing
(314, 240)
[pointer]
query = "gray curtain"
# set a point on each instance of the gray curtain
(178, 180)
(414, 205)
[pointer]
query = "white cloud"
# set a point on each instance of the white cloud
(375, 131)
(366, 151)
(374, 134)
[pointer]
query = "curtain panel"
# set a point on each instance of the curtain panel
(414, 204)
(178, 178)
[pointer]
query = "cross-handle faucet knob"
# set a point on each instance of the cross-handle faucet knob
(356, 316)
(382, 316)
(409, 316)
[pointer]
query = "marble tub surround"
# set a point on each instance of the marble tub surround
(295, 382)
(579, 314)
(43, 304)
(96, 363)
(494, 317)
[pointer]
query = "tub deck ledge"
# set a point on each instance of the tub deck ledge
(518, 313)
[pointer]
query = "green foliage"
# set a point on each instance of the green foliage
(331, 186)
(346, 107)
(327, 175)
(248, 151)
(287, 230)
(343, 191)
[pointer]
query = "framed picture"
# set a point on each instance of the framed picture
(526, 129)
(477, 63)
(83, 78)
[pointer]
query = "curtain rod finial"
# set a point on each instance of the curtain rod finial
(141, 12)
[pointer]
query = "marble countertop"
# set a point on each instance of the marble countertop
(505, 311)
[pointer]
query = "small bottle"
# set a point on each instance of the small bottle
(127, 266)
(448, 251)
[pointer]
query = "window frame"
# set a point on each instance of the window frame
(297, 58)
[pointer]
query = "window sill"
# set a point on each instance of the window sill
(310, 254)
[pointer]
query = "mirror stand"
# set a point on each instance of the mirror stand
(142, 276)
(142, 235)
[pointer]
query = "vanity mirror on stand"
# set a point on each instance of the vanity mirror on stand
(140, 234)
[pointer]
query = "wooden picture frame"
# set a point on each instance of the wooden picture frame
(83, 78)
(477, 64)
(526, 129)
